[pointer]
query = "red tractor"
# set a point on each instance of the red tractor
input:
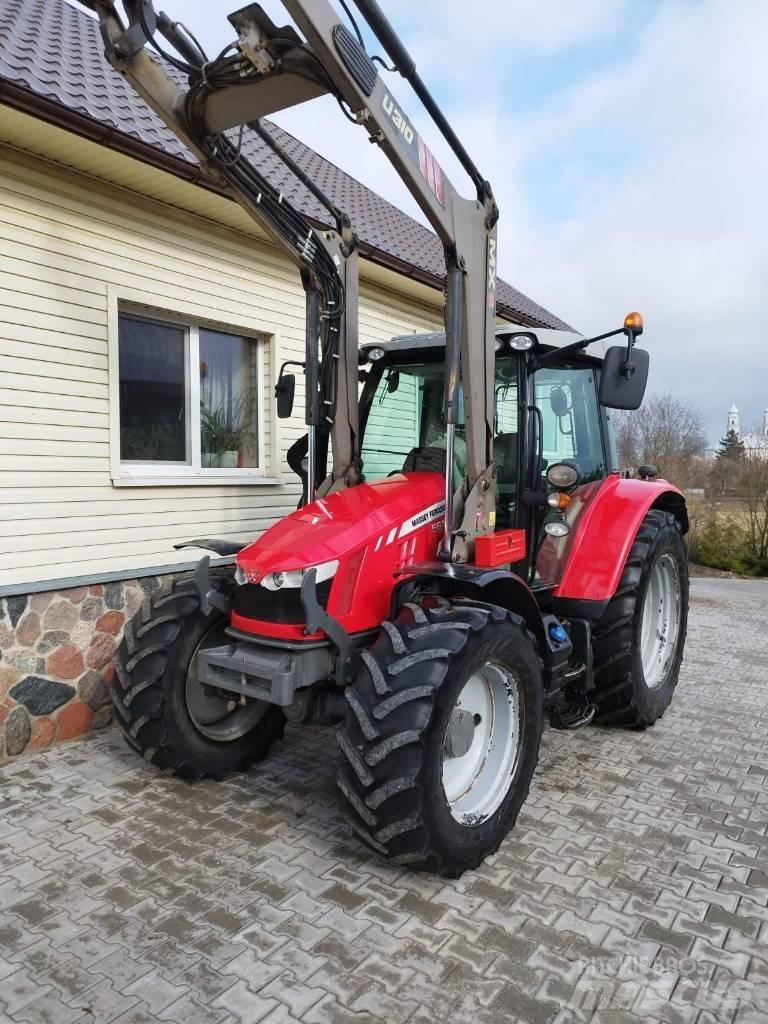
(468, 558)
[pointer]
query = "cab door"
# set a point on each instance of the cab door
(572, 429)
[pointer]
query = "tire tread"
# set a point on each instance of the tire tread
(139, 697)
(385, 733)
(616, 682)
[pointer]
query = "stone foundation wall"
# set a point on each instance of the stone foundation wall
(56, 652)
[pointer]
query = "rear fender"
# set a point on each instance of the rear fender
(606, 531)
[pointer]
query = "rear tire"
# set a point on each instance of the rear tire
(412, 712)
(156, 695)
(636, 676)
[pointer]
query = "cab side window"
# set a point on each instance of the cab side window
(394, 423)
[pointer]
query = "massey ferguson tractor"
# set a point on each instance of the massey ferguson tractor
(468, 558)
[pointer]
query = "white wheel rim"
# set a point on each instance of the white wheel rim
(218, 718)
(476, 783)
(660, 625)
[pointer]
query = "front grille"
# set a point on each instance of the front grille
(256, 602)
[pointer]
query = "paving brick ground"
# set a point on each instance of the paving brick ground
(634, 888)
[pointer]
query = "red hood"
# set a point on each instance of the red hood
(337, 525)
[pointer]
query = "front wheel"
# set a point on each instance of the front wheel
(638, 643)
(165, 713)
(442, 734)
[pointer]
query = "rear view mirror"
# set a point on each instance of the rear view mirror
(622, 383)
(284, 392)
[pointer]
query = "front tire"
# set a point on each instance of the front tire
(442, 734)
(165, 713)
(638, 643)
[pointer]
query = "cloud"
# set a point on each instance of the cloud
(677, 223)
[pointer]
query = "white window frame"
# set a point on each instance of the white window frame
(154, 474)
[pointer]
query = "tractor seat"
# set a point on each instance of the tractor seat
(425, 460)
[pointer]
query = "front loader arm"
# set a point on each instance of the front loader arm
(275, 68)
(466, 227)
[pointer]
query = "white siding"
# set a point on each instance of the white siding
(67, 245)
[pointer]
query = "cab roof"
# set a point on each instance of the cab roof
(546, 337)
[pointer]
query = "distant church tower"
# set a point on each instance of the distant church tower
(733, 420)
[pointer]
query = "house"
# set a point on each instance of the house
(143, 318)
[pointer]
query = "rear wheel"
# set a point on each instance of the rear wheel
(638, 644)
(442, 734)
(165, 713)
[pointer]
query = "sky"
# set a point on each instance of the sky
(627, 144)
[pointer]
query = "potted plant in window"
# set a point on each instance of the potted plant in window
(152, 442)
(223, 433)
(208, 435)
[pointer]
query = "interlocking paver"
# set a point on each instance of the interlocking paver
(244, 1004)
(156, 991)
(102, 1003)
(296, 995)
(633, 889)
(49, 1008)
(188, 1010)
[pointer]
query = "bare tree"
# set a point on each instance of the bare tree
(626, 442)
(753, 490)
(665, 432)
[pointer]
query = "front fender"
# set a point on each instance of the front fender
(496, 586)
(502, 588)
(606, 531)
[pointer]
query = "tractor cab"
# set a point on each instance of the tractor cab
(404, 429)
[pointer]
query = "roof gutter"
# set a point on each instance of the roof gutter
(29, 102)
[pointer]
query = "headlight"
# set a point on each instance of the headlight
(563, 476)
(374, 354)
(557, 528)
(295, 577)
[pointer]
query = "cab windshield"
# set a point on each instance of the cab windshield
(404, 425)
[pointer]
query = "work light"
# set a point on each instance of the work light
(521, 342)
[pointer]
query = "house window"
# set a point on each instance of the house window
(188, 398)
(228, 405)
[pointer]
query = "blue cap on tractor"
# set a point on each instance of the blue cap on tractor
(557, 633)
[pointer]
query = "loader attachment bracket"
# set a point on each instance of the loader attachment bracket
(316, 617)
(210, 597)
(134, 39)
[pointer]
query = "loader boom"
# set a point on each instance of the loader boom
(273, 67)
